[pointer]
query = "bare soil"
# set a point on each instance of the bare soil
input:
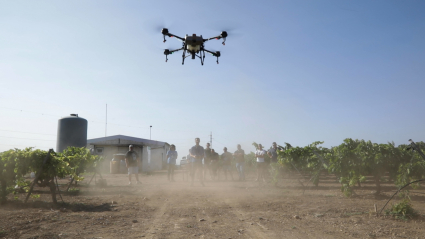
(221, 209)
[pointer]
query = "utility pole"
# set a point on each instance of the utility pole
(150, 132)
(106, 121)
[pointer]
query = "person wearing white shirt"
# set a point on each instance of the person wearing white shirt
(261, 165)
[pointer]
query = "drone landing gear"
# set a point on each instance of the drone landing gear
(203, 57)
(184, 53)
(184, 57)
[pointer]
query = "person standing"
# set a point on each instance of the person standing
(207, 161)
(132, 163)
(240, 162)
(214, 164)
(261, 165)
(198, 153)
(226, 158)
(273, 153)
(189, 165)
(171, 161)
(275, 169)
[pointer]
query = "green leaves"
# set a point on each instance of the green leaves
(78, 160)
(16, 163)
(353, 160)
(402, 210)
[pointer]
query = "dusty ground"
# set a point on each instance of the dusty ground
(225, 209)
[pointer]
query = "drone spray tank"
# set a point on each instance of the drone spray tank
(193, 44)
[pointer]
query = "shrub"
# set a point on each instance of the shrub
(402, 210)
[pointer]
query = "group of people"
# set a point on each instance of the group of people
(261, 164)
(206, 160)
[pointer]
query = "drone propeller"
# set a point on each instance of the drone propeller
(166, 53)
(232, 29)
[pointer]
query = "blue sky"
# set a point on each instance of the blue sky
(291, 71)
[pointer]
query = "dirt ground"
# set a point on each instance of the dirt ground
(221, 209)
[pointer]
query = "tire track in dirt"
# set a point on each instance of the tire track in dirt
(175, 216)
(250, 231)
(158, 218)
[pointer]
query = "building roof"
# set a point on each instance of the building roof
(125, 141)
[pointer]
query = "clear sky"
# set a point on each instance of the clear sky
(291, 71)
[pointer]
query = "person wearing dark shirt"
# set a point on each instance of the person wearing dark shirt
(207, 161)
(226, 159)
(276, 169)
(214, 163)
(132, 163)
(273, 153)
(198, 153)
(240, 162)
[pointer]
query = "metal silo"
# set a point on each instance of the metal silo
(72, 131)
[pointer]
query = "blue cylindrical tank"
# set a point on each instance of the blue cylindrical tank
(72, 131)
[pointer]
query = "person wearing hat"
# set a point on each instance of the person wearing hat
(132, 163)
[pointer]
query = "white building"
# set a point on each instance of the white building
(153, 152)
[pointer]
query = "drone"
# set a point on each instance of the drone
(193, 46)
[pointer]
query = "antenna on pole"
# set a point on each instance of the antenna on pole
(106, 121)
(211, 139)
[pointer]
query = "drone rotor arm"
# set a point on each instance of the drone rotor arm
(223, 36)
(212, 38)
(176, 50)
(216, 54)
(211, 52)
(168, 52)
(172, 35)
